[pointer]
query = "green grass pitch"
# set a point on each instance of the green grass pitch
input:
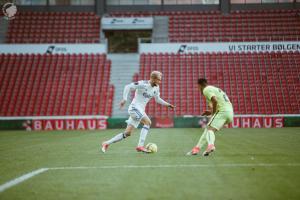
(247, 164)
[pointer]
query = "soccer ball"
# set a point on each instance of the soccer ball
(152, 147)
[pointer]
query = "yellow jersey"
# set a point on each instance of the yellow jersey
(224, 103)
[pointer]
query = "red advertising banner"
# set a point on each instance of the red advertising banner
(66, 124)
(164, 122)
(257, 122)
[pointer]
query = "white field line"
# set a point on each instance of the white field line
(27, 176)
(21, 179)
(180, 166)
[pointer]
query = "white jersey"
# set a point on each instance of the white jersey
(143, 93)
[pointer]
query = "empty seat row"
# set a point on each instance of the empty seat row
(256, 83)
(212, 26)
(54, 27)
(45, 85)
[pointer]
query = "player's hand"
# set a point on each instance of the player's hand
(122, 104)
(206, 113)
(171, 106)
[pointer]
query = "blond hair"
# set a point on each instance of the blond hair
(155, 74)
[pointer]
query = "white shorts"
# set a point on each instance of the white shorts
(135, 115)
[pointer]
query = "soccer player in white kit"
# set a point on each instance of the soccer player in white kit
(144, 91)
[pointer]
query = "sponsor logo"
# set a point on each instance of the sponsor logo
(182, 49)
(257, 122)
(136, 20)
(114, 21)
(146, 95)
(164, 122)
(9, 10)
(127, 21)
(188, 49)
(27, 125)
(203, 121)
(50, 49)
(54, 49)
(65, 124)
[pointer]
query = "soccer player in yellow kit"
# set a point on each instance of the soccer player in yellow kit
(221, 111)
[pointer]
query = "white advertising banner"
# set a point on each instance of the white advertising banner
(218, 47)
(126, 23)
(53, 48)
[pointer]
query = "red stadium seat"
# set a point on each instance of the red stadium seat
(252, 86)
(265, 25)
(54, 27)
(55, 85)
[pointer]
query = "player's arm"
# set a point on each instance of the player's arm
(163, 102)
(209, 110)
(212, 106)
(127, 89)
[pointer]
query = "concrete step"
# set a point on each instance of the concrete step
(3, 29)
(124, 66)
(160, 29)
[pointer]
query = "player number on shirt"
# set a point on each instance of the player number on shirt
(224, 95)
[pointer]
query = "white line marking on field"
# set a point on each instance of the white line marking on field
(179, 166)
(27, 176)
(21, 179)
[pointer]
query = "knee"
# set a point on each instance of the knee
(127, 134)
(212, 129)
(148, 123)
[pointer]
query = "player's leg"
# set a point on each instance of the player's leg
(203, 139)
(118, 137)
(214, 125)
(144, 132)
(222, 119)
(199, 145)
(133, 121)
(210, 138)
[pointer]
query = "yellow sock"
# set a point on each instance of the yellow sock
(210, 136)
(202, 140)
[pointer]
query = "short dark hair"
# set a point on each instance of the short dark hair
(202, 81)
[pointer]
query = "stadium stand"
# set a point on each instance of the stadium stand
(45, 85)
(184, 26)
(54, 27)
(256, 83)
(212, 26)
(276, 25)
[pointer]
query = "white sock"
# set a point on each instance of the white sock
(210, 137)
(116, 138)
(143, 135)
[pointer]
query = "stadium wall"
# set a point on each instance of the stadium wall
(219, 47)
(225, 7)
(53, 48)
(47, 123)
(101, 7)
(240, 121)
(102, 122)
(139, 8)
(265, 6)
(155, 47)
(80, 8)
